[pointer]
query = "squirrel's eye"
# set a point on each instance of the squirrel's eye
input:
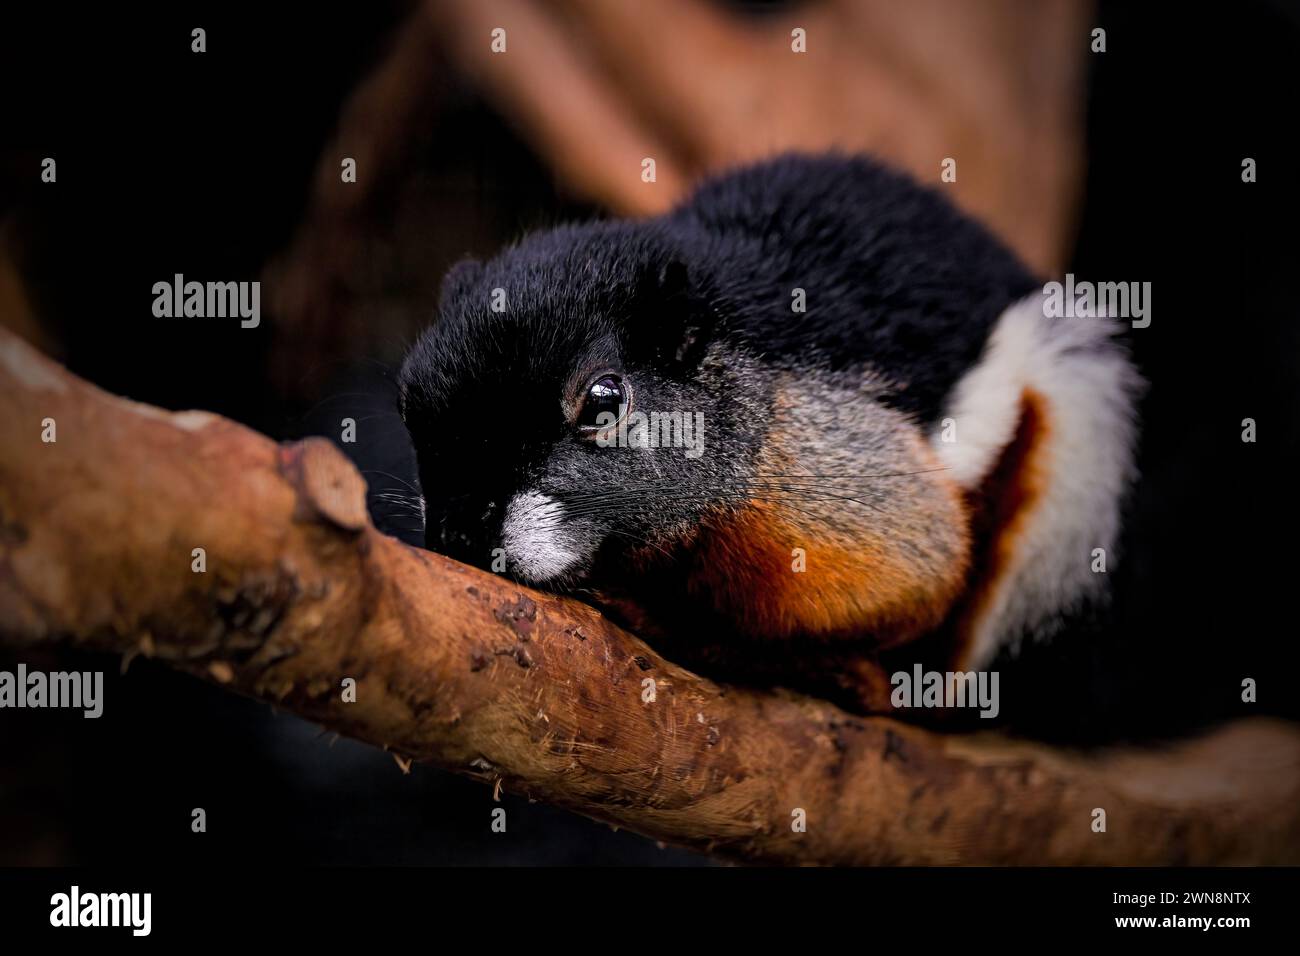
(606, 401)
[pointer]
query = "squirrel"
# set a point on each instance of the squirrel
(813, 403)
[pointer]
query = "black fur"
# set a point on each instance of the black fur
(895, 277)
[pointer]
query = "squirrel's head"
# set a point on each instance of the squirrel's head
(570, 404)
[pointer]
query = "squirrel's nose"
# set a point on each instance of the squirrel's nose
(539, 541)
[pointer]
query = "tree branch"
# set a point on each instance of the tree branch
(475, 674)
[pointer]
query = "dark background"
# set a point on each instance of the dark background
(171, 162)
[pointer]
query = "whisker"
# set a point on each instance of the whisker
(648, 543)
(387, 474)
(330, 398)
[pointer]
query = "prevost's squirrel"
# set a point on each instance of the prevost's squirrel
(899, 455)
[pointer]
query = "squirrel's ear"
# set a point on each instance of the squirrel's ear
(459, 278)
(674, 321)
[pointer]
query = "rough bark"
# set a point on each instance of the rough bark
(534, 692)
